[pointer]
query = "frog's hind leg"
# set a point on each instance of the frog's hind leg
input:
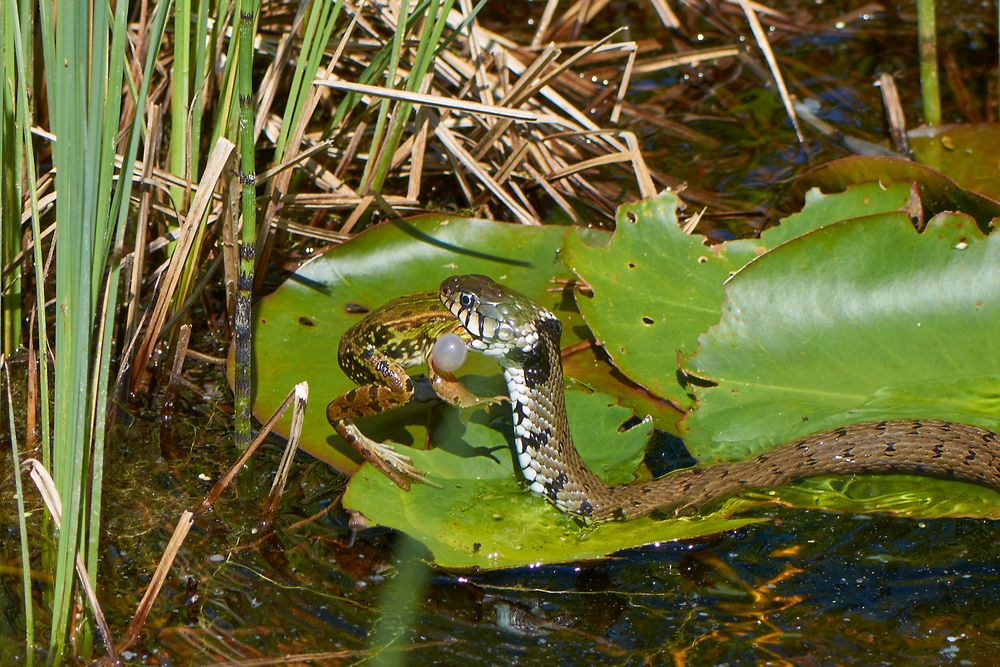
(372, 399)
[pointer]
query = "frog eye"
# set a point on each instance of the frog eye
(466, 299)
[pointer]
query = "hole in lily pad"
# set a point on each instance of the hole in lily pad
(632, 217)
(306, 322)
(630, 424)
(631, 265)
(355, 308)
(647, 320)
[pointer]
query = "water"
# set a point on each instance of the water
(806, 587)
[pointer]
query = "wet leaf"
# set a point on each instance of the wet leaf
(968, 154)
(480, 516)
(889, 324)
(938, 192)
(655, 289)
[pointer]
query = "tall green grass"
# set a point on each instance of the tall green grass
(387, 139)
(11, 170)
(83, 62)
(187, 103)
(179, 98)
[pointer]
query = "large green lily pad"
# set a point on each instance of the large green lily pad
(657, 288)
(298, 327)
(477, 515)
(857, 321)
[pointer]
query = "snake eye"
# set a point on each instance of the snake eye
(466, 299)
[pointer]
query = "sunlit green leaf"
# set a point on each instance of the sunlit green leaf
(857, 201)
(890, 323)
(655, 289)
(938, 192)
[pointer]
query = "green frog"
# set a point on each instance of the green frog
(375, 353)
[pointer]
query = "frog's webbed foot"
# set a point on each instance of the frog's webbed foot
(397, 467)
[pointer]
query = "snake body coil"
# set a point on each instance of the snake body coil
(524, 339)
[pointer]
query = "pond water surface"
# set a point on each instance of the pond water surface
(803, 588)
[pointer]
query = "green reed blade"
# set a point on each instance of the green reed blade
(434, 24)
(117, 215)
(395, 48)
(11, 166)
(248, 179)
(927, 40)
(226, 111)
(24, 128)
(202, 49)
(67, 74)
(315, 38)
(179, 96)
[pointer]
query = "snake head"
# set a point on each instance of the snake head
(501, 321)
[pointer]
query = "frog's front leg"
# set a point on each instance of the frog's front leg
(446, 356)
(383, 385)
(451, 389)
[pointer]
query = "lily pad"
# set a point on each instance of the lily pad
(857, 201)
(655, 288)
(589, 366)
(968, 153)
(298, 327)
(857, 321)
(938, 191)
(479, 516)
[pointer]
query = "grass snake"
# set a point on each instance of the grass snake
(524, 338)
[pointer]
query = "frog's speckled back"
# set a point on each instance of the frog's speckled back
(404, 330)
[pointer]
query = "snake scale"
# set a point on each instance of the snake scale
(524, 338)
